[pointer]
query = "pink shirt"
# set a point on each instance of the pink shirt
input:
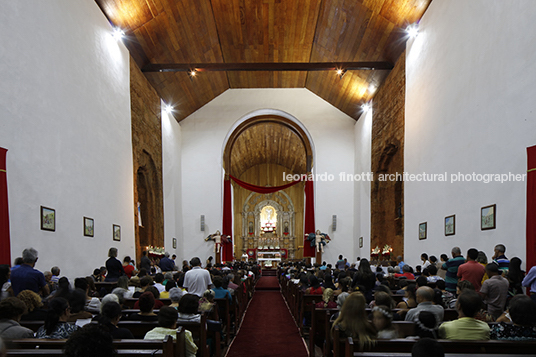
(473, 272)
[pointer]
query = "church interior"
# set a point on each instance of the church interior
(130, 121)
(281, 132)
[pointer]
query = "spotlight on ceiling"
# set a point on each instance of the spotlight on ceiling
(412, 30)
(193, 72)
(341, 72)
(366, 107)
(118, 34)
(168, 108)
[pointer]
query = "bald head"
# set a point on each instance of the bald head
(425, 293)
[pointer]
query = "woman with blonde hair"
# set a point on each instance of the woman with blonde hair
(353, 321)
(328, 300)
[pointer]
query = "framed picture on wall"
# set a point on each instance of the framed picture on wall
(48, 219)
(117, 232)
(360, 242)
(488, 217)
(450, 225)
(174, 243)
(422, 230)
(88, 227)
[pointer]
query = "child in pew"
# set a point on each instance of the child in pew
(382, 319)
(167, 319)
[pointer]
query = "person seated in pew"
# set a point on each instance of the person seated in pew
(122, 283)
(382, 319)
(158, 280)
(34, 306)
(188, 309)
(219, 291)
(353, 322)
(445, 295)
(467, 327)
(167, 321)
(406, 273)
(175, 296)
(169, 285)
(145, 282)
(157, 303)
(78, 303)
(426, 325)
(410, 300)
(97, 276)
(90, 341)
(314, 286)
(11, 310)
(425, 296)
(432, 274)
(522, 313)
(206, 303)
(109, 318)
(146, 304)
(427, 347)
(56, 325)
(328, 300)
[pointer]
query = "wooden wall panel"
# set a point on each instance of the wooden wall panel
(387, 197)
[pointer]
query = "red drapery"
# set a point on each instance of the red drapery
(531, 207)
(309, 251)
(5, 250)
(227, 226)
(261, 189)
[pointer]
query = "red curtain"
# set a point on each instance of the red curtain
(5, 249)
(309, 251)
(261, 189)
(531, 207)
(227, 227)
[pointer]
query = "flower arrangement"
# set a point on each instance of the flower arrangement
(375, 252)
(386, 251)
(156, 250)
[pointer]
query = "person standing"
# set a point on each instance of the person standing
(145, 262)
(197, 280)
(472, 271)
(166, 264)
(530, 282)
(495, 290)
(114, 266)
(26, 277)
(501, 259)
(451, 266)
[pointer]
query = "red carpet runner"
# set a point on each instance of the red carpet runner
(268, 329)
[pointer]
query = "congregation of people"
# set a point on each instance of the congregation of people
(490, 296)
(74, 310)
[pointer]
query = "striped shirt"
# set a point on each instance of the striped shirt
(504, 264)
(451, 278)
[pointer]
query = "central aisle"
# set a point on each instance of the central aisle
(268, 328)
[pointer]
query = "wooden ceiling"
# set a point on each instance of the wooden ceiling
(249, 31)
(268, 143)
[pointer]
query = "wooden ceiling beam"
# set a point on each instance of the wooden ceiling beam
(277, 66)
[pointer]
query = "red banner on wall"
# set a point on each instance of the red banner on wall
(5, 248)
(531, 207)
(309, 226)
(227, 226)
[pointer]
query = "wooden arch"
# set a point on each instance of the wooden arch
(267, 119)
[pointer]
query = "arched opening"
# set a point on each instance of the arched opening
(263, 150)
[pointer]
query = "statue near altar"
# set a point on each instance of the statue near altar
(318, 240)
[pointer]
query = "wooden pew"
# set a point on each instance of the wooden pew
(131, 301)
(307, 302)
(319, 334)
(223, 306)
(49, 347)
(108, 286)
(491, 347)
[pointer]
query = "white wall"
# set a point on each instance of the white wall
(204, 132)
(469, 108)
(171, 166)
(363, 159)
(65, 118)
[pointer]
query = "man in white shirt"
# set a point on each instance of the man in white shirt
(197, 280)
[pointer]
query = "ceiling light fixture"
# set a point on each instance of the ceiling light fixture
(193, 72)
(412, 30)
(118, 34)
(366, 107)
(341, 72)
(168, 108)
